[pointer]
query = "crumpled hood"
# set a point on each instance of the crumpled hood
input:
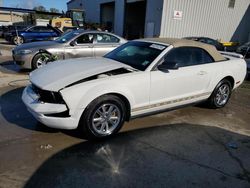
(57, 75)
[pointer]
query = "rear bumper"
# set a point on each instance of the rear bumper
(41, 111)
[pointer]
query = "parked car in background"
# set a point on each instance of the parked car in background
(2, 31)
(33, 33)
(244, 50)
(207, 40)
(77, 43)
(6, 30)
(141, 77)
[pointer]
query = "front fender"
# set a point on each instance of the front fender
(80, 96)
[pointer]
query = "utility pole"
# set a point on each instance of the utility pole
(1, 3)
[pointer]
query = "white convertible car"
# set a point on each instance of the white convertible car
(141, 77)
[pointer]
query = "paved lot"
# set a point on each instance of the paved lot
(190, 147)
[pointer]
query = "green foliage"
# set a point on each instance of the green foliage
(40, 8)
(54, 10)
(49, 58)
(43, 9)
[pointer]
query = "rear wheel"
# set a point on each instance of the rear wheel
(17, 40)
(103, 117)
(220, 95)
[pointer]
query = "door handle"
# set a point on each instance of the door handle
(202, 73)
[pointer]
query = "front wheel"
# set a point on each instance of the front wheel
(17, 40)
(40, 60)
(103, 117)
(220, 95)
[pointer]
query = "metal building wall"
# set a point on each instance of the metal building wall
(210, 18)
(74, 4)
(93, 11)
(153, 18)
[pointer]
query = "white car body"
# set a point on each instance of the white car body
(143, 90)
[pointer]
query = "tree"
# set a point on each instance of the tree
(54, 10)
(40, 8)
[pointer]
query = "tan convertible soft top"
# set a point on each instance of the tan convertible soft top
(175, 42)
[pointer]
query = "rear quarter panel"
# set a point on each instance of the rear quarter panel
(234, 67)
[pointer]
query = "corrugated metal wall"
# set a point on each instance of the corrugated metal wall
(93, 11)
(74, 4)
(210, 18)
(153, 18)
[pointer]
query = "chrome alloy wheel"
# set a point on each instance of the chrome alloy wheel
(18, 40)
(106, 118)
(41, 62)
(222, 94)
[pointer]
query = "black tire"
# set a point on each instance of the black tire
(214, 100)
(17, 40)
(35, 63)
(86, 124)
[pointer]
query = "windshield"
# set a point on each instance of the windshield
(78, 16)
(68, 36)
(136, 54)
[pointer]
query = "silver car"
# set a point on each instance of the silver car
(77, 43)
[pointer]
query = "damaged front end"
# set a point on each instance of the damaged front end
(103, 75)
(47, 56)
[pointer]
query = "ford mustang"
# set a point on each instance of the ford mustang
(141, 77)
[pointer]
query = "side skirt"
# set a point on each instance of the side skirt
(166, 110)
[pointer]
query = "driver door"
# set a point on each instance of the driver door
(80, 47)
(184, 84)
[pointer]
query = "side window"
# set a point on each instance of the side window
(203, 40)
(106, 38)
(46, 29)
(85, 39)
(212, 42)
(34, 29)
(178, 55)
(200, 56)
(188, 56)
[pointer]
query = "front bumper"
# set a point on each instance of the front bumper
(41, 110)
(25, 61)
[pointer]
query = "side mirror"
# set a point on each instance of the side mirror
(72, 43)
(164, 67)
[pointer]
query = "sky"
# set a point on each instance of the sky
(30, 4)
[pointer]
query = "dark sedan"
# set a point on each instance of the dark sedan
(244, 50)
(33, 33)
(207, 40)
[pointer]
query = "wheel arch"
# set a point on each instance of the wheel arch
(230, 79)
(32, 60)
(35, 54)
(124, 100)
